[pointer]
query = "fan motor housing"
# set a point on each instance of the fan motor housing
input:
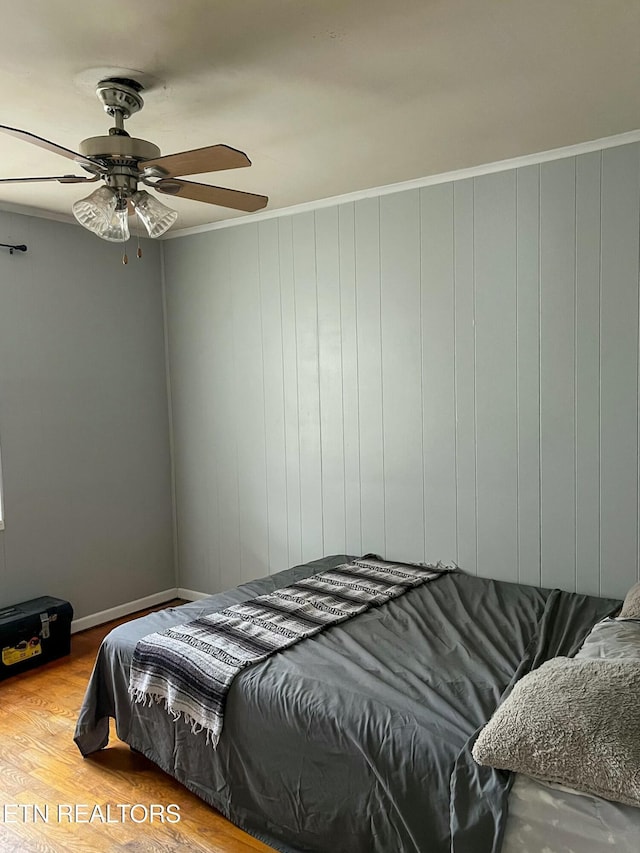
(118, 148)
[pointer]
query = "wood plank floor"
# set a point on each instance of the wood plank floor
(40, 765)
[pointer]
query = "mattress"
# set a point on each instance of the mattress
(359, 738)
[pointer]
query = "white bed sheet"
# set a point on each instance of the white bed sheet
(546, 818)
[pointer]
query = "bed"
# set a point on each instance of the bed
(359, 739)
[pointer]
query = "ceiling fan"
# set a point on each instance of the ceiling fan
(122, 162)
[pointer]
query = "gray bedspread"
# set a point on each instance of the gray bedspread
(358, 739)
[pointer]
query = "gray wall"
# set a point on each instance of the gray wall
(83, 420)
(449, 373)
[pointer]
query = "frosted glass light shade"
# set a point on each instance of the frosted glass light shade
(156, 216)
(96, 210)
(117, 228)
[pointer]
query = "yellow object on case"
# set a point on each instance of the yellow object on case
(24, 650)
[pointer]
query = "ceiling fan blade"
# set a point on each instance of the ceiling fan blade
(199, 161)
(50, 146)
(62, 179)
(212, 195)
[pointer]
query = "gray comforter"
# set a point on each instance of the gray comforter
(358, 739)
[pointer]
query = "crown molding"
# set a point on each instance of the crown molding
(25, 210)
(417, 183)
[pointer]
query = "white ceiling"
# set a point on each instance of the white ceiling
(325, 96)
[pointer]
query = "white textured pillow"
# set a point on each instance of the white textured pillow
(631, 603)
(612, 639)
(575, 722)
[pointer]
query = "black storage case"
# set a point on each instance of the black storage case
(33, 633)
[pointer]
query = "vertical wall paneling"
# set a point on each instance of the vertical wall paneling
(449, 373)
(207, 513)
(330, 373)
(371, 418)
(619, 368)
(438, 372)
(557, 372)
(496, 439)
(274, 407)
(195, 476)
(249, 409)
(223, 391)
(349, 359)
(588, 177)
(465, 403)
(309, 416)
(290, 379)
(401, 374)
(528, 372)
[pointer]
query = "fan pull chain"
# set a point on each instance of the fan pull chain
(139, 252)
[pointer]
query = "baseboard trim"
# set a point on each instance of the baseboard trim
(125, 609)
(192, 595)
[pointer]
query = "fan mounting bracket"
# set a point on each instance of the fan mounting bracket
(120, 96)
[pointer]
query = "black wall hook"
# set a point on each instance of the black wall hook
(13, 248)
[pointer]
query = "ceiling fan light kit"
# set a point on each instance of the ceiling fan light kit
(122, 162)
(105, 213)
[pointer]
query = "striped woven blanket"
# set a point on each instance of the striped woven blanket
(189, 668)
